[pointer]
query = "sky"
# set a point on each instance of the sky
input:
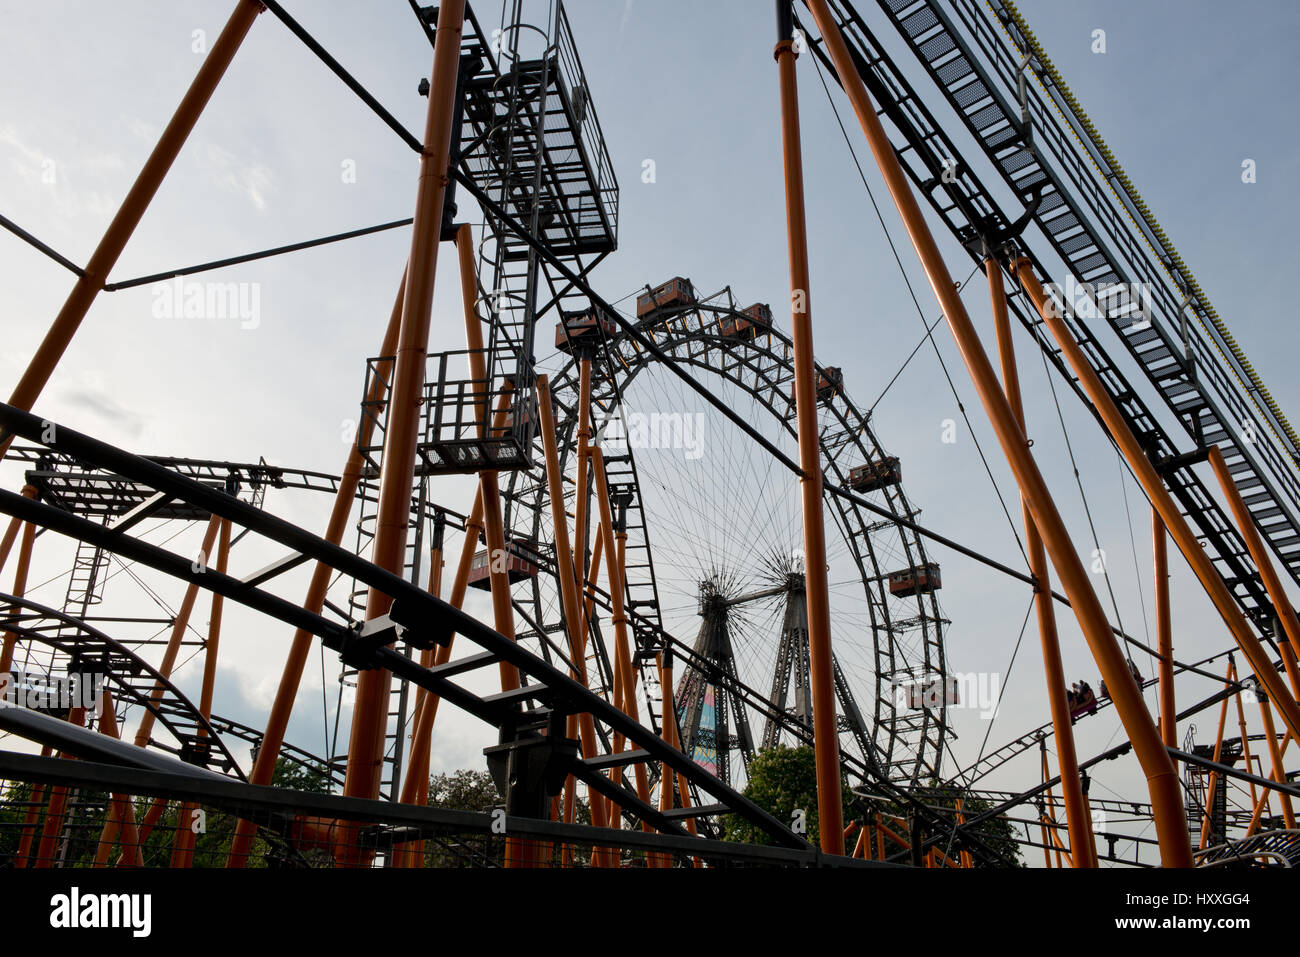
(1183, 94)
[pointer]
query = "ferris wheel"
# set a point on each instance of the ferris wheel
(730, 597)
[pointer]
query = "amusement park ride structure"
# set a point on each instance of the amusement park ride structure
(608, 693)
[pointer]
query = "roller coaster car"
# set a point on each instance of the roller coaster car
(1079, 706)
(915, 581)
(675, 292)
(518, 563)
(875, 475)
(577, 328)
(758, 318)
(829, 381)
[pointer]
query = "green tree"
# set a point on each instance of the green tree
(782, 781)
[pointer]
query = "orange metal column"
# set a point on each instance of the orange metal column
(1164, 632)
(58, 805)
(179, 627)
(1162, 777)
(503, 614)
(132, 210)
(569, 597)
(618, 615)
(826, 741)
(366, 742)
(1228, 679)
(1163, 502)
(11, 533)
(1076, 817)
(291, 677)
(1275, 752)
(1272, 584)
(183, 843)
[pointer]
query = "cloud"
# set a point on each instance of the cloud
(100, 403)
(251, 180)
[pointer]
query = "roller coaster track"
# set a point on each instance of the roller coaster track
(974, 73)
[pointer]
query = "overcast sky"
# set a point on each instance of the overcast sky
(1183, 94)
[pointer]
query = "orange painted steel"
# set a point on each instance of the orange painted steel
(291, 676)
(1228, 680)
(184, 841)
(826, 742)
(423, 733)
(128, 216)
(1162, 501)
(571, 722)
(58, 805)
(503, 613)
(412, 854)
(35, 802)
(1080, 827)
(1164, 631)
(20, 581)
(1275, 753)
(1266, 796)
(179, 627)
(1042, 744)
(122, 812)
(11, 534)
(397, 471)
(1289, 639)
(1245, 742)
(667, 724)
(965, 856)
(580, 480)
(1052, 828)
(1162, 776)
(618, 618)
(569, 594)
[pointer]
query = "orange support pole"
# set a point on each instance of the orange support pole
(291, 677)
(20, 581)
(1162, 501)
(667, 723)
(58, 805)
(179, 627)
(1275, 752)
(1289, 638)
(569, 591)
(571, 723)
(1164, 632)
(7, 543)
(1080, 827)
(1245, 741)
(1052, 827)
(129, 214)
(1265, 796)
(423, 734)
(412, 853)
(1228, 680)
(618, 616)
(122, 814)
(826, 741)
(1162, 777)
(34, 800)
(503, 614)
(366, 742)
(184, 841)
